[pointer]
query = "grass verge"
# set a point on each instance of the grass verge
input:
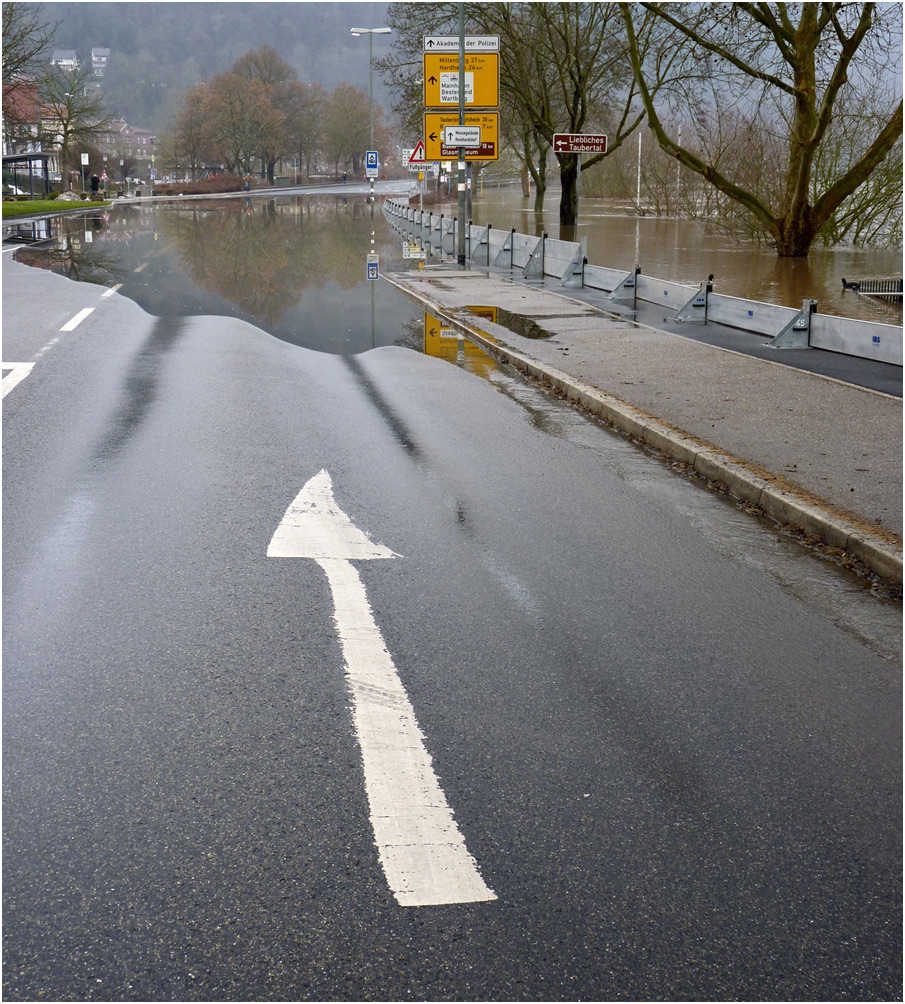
(46, 206)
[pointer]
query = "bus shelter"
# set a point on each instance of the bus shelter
(35, 165)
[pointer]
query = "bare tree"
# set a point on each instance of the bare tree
(74, 112)
(346, 126)
(265, 65)
(563, 64)
(786, 68)
(189, 138)
(564, 67)
(242, 120)
(25, 37)
(304, 122)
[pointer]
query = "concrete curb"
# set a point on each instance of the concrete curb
(776, 497)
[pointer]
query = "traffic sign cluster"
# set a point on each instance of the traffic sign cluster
(444, 134)
(478, 136)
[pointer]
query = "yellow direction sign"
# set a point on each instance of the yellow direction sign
(436, 122)
(443, 342)
(441, 79)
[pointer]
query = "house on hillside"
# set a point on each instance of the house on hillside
(66, 59)
(99, 59)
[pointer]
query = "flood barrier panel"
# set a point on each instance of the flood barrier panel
(540, 256)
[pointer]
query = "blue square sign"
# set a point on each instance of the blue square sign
(372, 269)
(371, 160)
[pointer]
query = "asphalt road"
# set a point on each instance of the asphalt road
(678, 774)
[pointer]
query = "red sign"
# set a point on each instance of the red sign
(417, 156)
(575, 142)
(486, 151)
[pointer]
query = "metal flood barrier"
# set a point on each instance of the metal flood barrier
(537, 257)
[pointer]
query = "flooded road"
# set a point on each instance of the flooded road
(294, 266)
(688, 251)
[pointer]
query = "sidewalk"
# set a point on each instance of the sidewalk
(809, 451)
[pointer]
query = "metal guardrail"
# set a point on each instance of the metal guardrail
(542, 256)
(887, 289)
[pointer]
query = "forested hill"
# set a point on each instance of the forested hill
(159, 49)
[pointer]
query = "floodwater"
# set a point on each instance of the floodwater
(688, 251)
(294, 266)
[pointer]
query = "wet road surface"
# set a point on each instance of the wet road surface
(669, 741)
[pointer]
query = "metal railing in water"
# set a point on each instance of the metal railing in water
(537, 257)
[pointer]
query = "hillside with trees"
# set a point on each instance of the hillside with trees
(159, 50)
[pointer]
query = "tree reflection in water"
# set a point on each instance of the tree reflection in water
(76, 251)
(294, 266)
(262, 255)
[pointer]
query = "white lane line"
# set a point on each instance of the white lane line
(111, 290)
(421, 849)
(17, 373)
(77, 320)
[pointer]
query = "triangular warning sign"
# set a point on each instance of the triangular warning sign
(417, 156)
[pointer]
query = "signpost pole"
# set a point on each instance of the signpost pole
(578, 191)
(461, 234)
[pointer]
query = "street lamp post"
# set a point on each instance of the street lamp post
(371, 32)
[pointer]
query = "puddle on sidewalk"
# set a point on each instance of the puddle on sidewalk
(519, 324)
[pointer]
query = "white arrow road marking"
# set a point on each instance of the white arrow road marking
(422, 852)
(17, 373)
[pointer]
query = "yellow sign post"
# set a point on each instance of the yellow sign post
(436, 122)
(441, 79)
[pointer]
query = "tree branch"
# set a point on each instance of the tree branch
(707, 171)
(834, 196)
(720, 50)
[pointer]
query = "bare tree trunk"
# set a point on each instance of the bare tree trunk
(568, 202)
(540, 175)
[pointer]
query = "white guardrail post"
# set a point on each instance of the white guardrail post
(797, 333)
(483, 243)
(695, 311)
(504, 257)
(534, 269)
(573, 277)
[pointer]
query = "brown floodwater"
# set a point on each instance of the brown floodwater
(688, 251)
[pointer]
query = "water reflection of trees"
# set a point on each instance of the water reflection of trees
(74, 253)
(263, 255)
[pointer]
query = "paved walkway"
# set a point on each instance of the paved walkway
(810, 451)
